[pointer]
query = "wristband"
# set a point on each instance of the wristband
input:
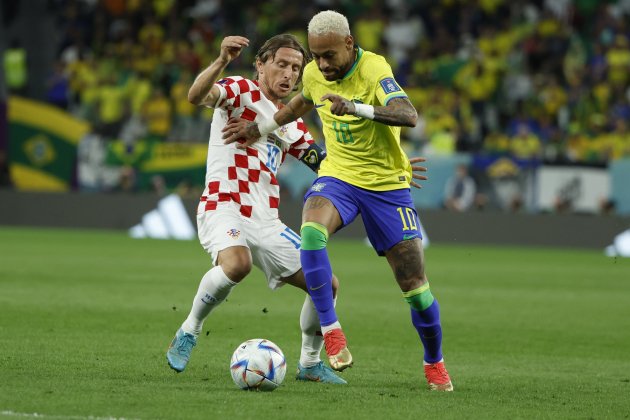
(267, 126)
(364, 111)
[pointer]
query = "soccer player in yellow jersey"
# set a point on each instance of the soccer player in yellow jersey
(366, 172)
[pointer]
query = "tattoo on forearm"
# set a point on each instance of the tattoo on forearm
(290, 112)
(291, 115)
(398, 112)
(252, 130)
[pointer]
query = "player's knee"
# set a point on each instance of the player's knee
(237, 267)
(314, 236)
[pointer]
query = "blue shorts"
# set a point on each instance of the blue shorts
(389, 217)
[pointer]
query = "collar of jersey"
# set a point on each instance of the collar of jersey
(354, 66)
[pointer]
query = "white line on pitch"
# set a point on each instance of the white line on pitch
(55, 416)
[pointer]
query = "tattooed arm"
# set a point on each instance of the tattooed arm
(250, 131)
(398, 111)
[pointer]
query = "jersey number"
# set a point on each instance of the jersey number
(408, 218)
(272, 157)
(342, 131)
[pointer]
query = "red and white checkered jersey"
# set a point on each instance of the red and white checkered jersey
(247, 178)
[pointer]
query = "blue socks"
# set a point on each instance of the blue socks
(318, 274)
(427, 324)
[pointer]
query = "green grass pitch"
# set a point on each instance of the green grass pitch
(86, 316)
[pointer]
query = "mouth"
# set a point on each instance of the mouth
(285, 86)
(329, 73)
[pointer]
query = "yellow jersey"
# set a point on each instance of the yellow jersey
(361, 152)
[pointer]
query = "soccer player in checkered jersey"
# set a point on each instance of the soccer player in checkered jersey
(362, 109)
(237, 217)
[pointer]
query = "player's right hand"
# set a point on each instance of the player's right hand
(339, 104)
(417, 168)
(231, 47)
(244, 132)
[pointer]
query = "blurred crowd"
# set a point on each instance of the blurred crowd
(544, 80)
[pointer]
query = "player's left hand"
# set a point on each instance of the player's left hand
(340, 105)
(417, 168)
(244, 132)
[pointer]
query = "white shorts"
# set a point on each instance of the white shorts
(275, 247)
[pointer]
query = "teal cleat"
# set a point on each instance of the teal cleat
(178, 352)
(318, 373)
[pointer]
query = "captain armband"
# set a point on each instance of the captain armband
(313, 156)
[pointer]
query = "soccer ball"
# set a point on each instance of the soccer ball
(258, 365)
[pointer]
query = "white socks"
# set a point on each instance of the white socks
(214, 287)
(312, 337)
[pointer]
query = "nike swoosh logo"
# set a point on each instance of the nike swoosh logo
(319, 105)
(318, 287)
(407, 237)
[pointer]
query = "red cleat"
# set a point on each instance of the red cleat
(339, 356)
(437, 377)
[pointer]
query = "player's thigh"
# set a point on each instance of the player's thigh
(275, 251)
(329, 202)
(220, 230)
(389, 218)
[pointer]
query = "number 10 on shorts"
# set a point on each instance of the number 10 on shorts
(408, 218)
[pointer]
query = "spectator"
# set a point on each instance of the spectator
(460, 190)
(112, 107)
(15, 68)
(157, 115)
(184, 127)
(525, 144)
(58, 89)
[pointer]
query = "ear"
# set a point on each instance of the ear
(349, 42)
(259, 66)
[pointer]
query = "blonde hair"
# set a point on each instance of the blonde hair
(327, 22)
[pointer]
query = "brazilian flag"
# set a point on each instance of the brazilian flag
(42, 145)
(174, 162)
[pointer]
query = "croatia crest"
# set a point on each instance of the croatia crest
(234, 233)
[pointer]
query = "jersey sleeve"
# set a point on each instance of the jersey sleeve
(230, 89)
(298, 148)
(387, 88)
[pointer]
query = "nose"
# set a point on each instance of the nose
(322, 64)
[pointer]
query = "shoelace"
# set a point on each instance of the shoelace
(439, 370)
(318, 367)
(185, 344)
(336, 341)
